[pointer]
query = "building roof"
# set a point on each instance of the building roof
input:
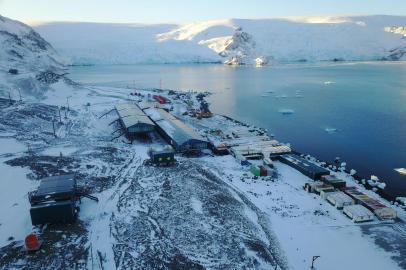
(365, 199)
(358, 210)
(303, 163)
(247, 141)
(340, 197)
(56, 185)
(131, 115)
(178, 131)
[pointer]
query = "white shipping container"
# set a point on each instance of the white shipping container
(325, 193)
(319, 188)
(339, 199)
(385, 213)
(358, 213)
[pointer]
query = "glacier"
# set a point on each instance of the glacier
(232, 41)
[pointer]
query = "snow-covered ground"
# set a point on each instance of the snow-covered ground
(234, 41)
(13, 194)
(206, 212)
(146, 216)
(305, 224)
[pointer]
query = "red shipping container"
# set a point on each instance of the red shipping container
(263, 171)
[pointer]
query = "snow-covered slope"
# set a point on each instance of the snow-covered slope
(22, 47)
(28, 63)
(100, 43)
(232, 41)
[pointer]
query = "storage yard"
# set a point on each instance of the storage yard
(251, 147)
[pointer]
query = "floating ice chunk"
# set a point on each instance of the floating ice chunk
(261, 61)
(343, 164)
(401, 200)
(401, 170)
(360, 23)
(281, 96)
(286, 111)
(330, 130)
(382, 185)
(328, 82)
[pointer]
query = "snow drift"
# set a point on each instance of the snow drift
(235, 41)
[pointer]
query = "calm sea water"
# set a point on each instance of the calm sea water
(356, 111)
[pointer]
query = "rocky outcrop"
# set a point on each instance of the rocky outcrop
(401, 30)
(396, 54)
(239, 49)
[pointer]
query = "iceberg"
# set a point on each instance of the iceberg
(286, 111)
(330, 130)
(401, 170)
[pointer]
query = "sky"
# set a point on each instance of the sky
(175, 11)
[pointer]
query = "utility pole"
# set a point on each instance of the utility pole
(53, 126)
(313, 260)
(60, 118)
(9, 97)
(19, 93)
(29, 149)
(67, 101)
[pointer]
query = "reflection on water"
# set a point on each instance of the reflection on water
(356, 111)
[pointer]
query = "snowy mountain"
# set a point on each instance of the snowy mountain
(232, 41)
(22, 47)
(100, 43)
(28, 63)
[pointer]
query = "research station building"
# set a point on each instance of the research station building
(133, 120)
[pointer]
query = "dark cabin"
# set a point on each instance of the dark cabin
(13, 71)
(162, 156)
(54, 201)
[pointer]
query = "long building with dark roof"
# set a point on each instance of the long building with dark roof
(182, 137)
(133, 120)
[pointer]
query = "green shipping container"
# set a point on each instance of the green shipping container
(255, 170)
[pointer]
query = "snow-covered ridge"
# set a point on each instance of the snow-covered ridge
(23, 48)
(103, 43)
(236, 41)
(28, 63)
